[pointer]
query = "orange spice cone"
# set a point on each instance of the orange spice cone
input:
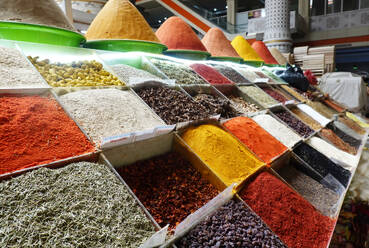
(217, 44)
(119, 19)
(176, 34)
(263, 52)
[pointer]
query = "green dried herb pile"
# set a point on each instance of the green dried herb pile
(80, 205)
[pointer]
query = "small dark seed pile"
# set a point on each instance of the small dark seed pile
(301, 128)
(322, 164)
(216, 105)
(233, 225)
(320, 197)
(345, 137)
(169, 187)
(232, 74)
(171, 105)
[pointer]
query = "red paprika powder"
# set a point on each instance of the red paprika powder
(210, 74)
(264, 145)
(262, 50)
(289, 215)
(35, 130)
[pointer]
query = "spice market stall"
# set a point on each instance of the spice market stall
(136, 148)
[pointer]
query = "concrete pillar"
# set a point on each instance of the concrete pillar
(231, 14)
(277, 33)
(304, 11)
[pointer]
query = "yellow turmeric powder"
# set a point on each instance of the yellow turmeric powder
(244, 49)
(225, 155)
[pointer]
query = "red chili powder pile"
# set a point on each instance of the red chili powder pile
(210, 74)
(261, 49)
(264, 145)
(217, 44)
(289, 215)
(176, 34)
(35, 130)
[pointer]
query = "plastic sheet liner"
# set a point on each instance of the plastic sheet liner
(347, 89)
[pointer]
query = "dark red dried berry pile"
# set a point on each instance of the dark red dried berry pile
(169, 187)
(301, 128)
(233, 225)
(276, 95)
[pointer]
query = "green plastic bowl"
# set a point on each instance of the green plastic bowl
(40, 34)
(188, 54)
(230, 59)
(253, 63)
(126, 46)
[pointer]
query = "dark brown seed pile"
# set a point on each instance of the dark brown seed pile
(232, 74)
(301, 128)
(173, 106)
(233, 225)
(216, 105)
(169, 187)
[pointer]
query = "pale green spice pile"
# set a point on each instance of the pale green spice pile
(81, 205)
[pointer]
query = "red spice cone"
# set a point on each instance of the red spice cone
(217, 44)
(263, 52)
(176, 34)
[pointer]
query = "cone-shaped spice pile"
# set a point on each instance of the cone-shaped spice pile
(244, 49)
(176, 34)
(262, 50)
(119, 19)
(278, 56)
(217, 44)
(42, 12)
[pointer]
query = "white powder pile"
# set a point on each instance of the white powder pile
(249, 75)
(281, 132)
(17, 72)
(44, 12)
(109, 112)
(124, 72)
(331, 151)
(313, 114)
